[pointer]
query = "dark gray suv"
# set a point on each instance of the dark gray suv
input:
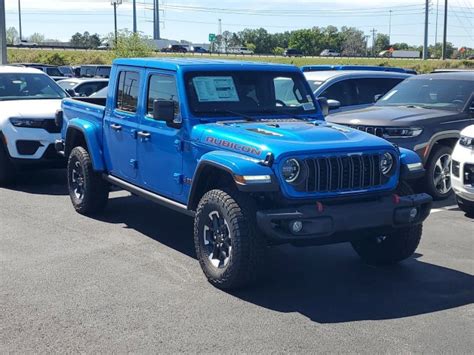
(424, 113)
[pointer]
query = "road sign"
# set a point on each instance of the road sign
(212, 37)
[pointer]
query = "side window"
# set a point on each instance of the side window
(342, 91)
(162, 87)
(368, 88)
(88, 89)
(127, 91)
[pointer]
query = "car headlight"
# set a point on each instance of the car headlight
(466, 141)
(402, 132)
(291, 170)
(26, 122)
(386, 163)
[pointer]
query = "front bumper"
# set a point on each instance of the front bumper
(462, 156)
(333, 223)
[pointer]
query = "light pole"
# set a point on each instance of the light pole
(134, 16)
(3, 35)
(115, 3)
(19, 19)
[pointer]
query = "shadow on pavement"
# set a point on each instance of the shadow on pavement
(326, 284)
(41, 182)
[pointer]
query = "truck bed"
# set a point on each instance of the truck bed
(91, 110)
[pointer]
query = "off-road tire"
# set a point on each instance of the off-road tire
(465, 206)
(95, 189)
(429, 184)
(394, 246)
(248, 246)
(7, 169)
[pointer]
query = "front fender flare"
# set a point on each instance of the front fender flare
(91, 135)
(411, 166)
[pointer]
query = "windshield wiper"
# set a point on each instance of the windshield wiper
(243, 115)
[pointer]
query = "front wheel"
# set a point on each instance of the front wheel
(88, 191)
(228, 246)
(438, 173)
(393, 246)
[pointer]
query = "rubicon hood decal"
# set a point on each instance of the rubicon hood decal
(234, 146)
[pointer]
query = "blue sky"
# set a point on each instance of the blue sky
(193, 20)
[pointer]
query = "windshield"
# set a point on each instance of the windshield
(66, 84)
(251, 93)
(18, 86)
(430, 93)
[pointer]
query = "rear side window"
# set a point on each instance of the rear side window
(342, 91)
(88, 89)
(162, 87)
(127, 91)
(368, 88)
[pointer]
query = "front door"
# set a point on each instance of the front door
(159, 146)
(120, 128)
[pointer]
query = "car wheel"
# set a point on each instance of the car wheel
(228, 246)
(392, 246)
(7, 169)
(438, 173)
(88, 191)
(465, 206)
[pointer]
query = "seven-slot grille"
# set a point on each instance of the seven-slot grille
(377, 131)
(348, 172)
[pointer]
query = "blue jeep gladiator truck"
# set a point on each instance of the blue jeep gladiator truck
(244, 149)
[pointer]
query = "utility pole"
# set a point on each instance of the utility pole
(425, 42)
(373, 41)
(390, 27)
(19, 19)
(436, 27)
(156, 19)
(115, 3)
(3, 34)
(219, 33)
(445, 31)
(134, 16)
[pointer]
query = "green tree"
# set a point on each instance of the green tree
(131, 44)
(36, 38)
(382, 42)
(436, 51)
(353, 42)
(12, 36)
(85, 40)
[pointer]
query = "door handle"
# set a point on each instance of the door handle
(116, 127)
(144, 135)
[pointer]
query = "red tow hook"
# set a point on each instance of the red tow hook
(396, 199)
(320, 206)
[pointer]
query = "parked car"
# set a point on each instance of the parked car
(83, 87)
(51, 70)
(329, 53)
(292, 52)
(219, 141)
(424, 113)
(101, 94)
(239, 50)
(352, 89)
(29, 100)
(67, 71)
(92, 71)
(462, 169)
(325, 67)
(198, 49)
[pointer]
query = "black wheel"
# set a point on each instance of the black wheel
(438, 173)
(465, 206)
(393, 246)
(228, 246)
(88, 191)
(7, 169)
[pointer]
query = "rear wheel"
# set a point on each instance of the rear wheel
(438, 173)
(393, 246)
(7, 169)
(88, 191)
(228, 246)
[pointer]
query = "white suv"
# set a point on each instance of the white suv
(29, 100)
(462, 170)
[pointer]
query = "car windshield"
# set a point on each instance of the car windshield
(67, 84)
(19, 86)
(432, 93)
(250, 93)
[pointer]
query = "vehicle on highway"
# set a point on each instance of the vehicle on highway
(239, 50)
(352, 89)
(424, 113)
(292, 52)
(400, 54)
(329, 53)
(462, 169)
(198, 49)
(175, 48)
(51, 70)
(26, 43)
(223, 142)
(83, 87)
(92, 71)
(29, 100)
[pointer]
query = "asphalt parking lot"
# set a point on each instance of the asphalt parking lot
(129, 281)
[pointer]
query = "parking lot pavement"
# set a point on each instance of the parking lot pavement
(129, 281)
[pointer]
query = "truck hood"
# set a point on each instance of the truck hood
(39, 109)
(284, 137)
(389, 116)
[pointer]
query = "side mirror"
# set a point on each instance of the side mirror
(323, 103)
(164, 110)
(333, 104)
(377, 97)
(71, 92)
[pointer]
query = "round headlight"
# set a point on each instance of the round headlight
(291, 170)
(386, 163)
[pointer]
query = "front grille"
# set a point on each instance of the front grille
(377, 131)
(343, 173)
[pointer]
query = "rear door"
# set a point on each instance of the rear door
(120, 126)
(159, 146)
